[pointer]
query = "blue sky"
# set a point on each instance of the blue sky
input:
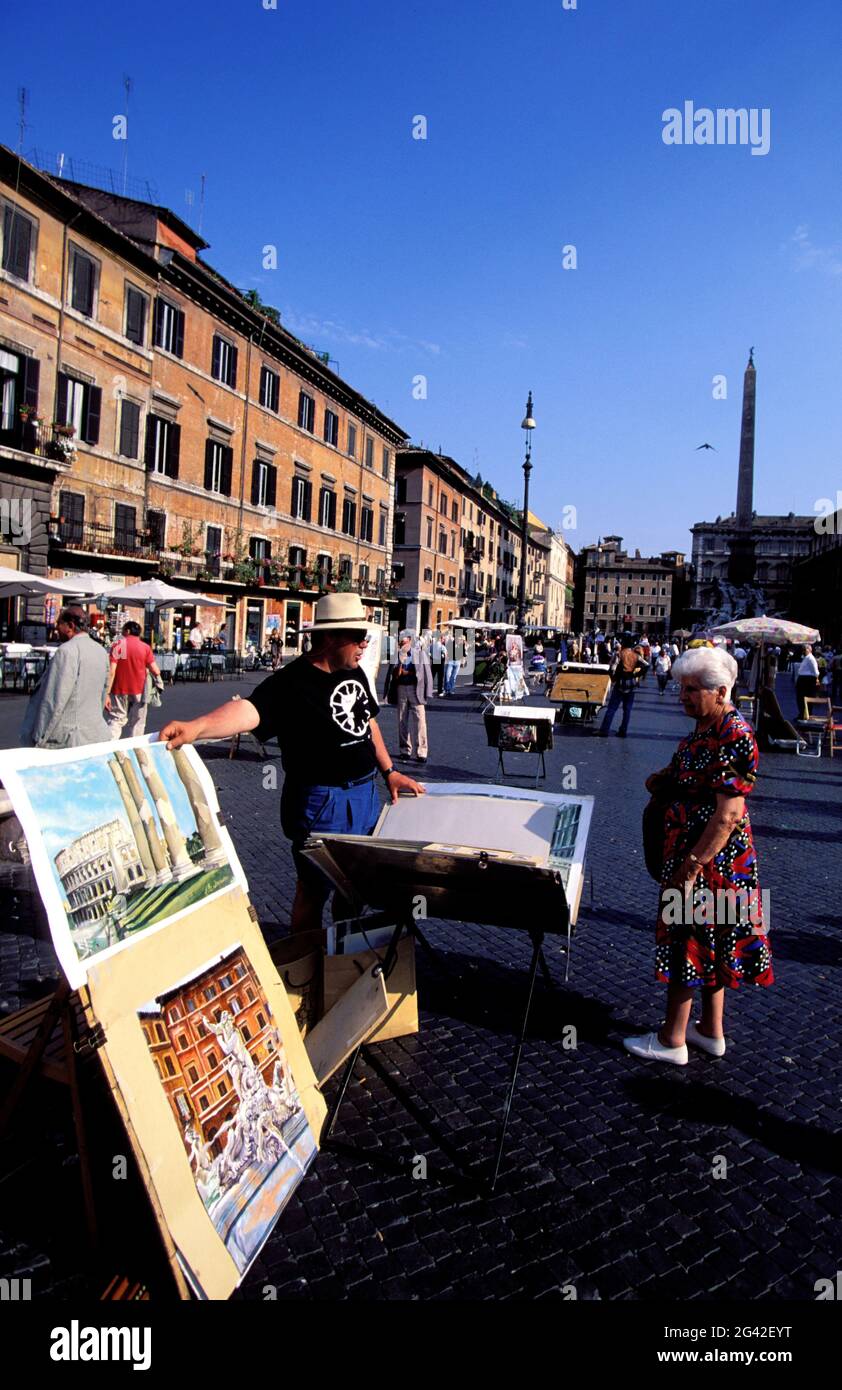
(444, 257)
(90, 789)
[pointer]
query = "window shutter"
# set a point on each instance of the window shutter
(255, 482)
(61, 402)
(227, 470)
(151, 433)
(208, 464)
(292, 492)
(31, 375)
(331, 516)
(308, 499)
(215, 354)
(276, 392)
(93, 409)
(271, 485)
(233, 377)
(83, 285)
(174, 451)
(156, 323)
(17, 240)
(135, 305)
(178, 345)
(129, 429)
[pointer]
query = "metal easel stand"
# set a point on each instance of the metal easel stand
(402, 1162)
(501, 773)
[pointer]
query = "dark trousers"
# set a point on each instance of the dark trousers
(438, 672)
(615, 699)
(804, 686)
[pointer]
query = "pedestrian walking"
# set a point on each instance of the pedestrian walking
(806, 680)
(438, 657)
(65, 709)
(698, 840)
(624, 680)
(409, 684)
(456, 659)
(132, 666)
(276, 649)
(321, 709)
(663, 666)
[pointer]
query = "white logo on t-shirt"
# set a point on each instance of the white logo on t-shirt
(349, 708)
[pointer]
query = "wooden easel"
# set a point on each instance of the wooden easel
(50, 1039)
(47, 1039)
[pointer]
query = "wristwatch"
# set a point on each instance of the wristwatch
(386, 774)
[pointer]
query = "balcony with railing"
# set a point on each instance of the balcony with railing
(95, 539)
(31, 435)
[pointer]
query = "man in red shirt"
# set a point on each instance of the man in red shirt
(125, 705)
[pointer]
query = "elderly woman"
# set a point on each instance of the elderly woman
(710, 934)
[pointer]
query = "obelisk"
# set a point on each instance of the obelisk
(741, 562)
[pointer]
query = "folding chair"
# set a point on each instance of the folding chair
(818, 722)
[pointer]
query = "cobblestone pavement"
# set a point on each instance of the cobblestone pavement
(607, 1178)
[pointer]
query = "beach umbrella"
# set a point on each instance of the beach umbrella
(767, 630)
(155, 591)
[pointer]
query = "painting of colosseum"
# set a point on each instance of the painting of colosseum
(128, 839)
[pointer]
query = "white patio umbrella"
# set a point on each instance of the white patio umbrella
(162, 595)
(94, 583)
(19, 584)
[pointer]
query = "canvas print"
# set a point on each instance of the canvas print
(518, 738)
(221, 1062)
(124, 838)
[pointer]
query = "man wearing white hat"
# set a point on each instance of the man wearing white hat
(321, 709)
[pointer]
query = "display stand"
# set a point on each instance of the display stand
(528, 729)
(60, 1030)
(50, 1039)
(471, 887)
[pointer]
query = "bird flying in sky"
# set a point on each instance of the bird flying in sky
(705, 446)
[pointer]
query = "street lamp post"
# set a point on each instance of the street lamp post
(528, 425)
(596, 587)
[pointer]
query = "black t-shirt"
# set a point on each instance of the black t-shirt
(321, 720)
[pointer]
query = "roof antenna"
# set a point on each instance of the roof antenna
(23, 99)
(127, 85)
(201, 204)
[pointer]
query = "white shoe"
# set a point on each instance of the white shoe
(652, 1050)
(714, 1046)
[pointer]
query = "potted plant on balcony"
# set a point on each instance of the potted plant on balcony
(245, 571)
(61, 446)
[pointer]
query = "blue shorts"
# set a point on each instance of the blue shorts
(348, 810)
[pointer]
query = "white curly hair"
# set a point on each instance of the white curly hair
(710, 666)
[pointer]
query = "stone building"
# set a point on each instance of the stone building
(616, 591)
(817, 580)
(778, 544)
(161, 422)
(457, 547)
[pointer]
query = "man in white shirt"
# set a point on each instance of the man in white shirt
(806, 680)
(197, 637)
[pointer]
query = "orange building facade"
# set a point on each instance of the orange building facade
(157, 422)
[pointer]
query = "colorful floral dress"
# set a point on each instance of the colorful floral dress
(722, 939)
